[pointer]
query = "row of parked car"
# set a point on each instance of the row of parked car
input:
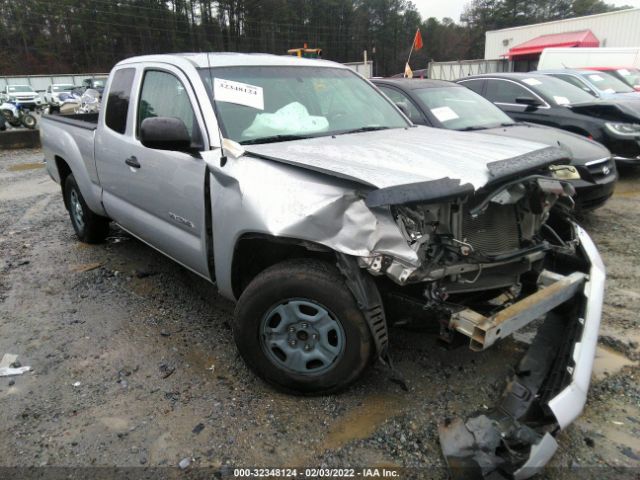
(591, 114)
(26, 96)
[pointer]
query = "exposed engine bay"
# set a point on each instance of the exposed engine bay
(491, 263)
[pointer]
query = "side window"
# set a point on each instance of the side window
(475, 85)
(398, 97)
(163, 95)
(501, 91)
(575, 81)
(118, 100)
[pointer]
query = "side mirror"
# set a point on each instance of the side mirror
(165, 133)
(529, 101)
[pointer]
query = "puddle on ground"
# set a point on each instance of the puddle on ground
(608, 361)
(362, 421)
(25, 166)
(142, 287)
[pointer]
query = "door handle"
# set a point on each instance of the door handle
(133, 162)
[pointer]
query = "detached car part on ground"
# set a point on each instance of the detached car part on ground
(537, 98)
(440, 104)
(304, 194)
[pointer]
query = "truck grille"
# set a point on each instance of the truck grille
(493, 232)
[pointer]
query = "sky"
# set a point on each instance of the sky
(453, 8)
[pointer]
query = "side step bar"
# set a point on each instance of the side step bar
(554, 289)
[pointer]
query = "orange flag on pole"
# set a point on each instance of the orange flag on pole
(417, 41)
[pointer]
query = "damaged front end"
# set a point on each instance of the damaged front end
(548, 390)
(491, 262)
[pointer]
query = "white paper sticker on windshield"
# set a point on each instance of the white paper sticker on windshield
(444, 114)
(532, 81)
(561, 100)
(609, 90)
(238, 93)
(596, 78)
(624, 71)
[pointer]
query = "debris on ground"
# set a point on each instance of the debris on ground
(185, 462)
(87, 267)
(166, 370)
(9, 366)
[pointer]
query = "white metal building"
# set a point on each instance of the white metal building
(613, 29)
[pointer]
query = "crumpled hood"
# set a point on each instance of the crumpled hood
(611, 109)
(395, 157)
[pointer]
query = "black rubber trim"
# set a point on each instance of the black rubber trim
(528, 162)
(424, 192)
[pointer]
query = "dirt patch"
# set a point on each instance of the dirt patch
(117, 317)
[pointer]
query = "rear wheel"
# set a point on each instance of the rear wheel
(90, 227)
(299, 327)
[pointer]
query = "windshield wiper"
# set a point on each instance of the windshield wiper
(370, 128)
(274, 138)
(469, 129)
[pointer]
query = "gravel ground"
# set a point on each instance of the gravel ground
(134, 363)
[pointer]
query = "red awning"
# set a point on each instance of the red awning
(583, 38)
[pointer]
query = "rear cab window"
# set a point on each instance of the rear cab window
(117, 107)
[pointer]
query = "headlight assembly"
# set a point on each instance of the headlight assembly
(626, 129)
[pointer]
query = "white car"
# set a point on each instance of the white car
(52, 94)
(23, 94)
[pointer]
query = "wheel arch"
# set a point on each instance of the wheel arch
(64, 170)
(255, 252)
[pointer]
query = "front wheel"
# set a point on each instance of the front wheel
(299, 327)
(29, 121)
(90, 227)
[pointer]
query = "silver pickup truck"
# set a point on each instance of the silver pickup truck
(304, 194)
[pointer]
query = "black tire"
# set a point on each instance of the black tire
(322, 284)
(89, 226)
(29, 121)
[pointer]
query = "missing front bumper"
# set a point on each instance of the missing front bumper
(485, 331)
(548, 390)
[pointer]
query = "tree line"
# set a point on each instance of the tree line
(74, 36)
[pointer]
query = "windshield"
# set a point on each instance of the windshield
(20, 88)
(99, 83)
(260, 104)
(607, 83)
(458, 108)
(630, 75)
(558, 91)
(62, 88)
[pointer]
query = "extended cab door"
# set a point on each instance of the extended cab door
(157, 195)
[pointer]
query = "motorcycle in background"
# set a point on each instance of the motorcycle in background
(16, 115)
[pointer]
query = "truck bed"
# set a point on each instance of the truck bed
(88, 121)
